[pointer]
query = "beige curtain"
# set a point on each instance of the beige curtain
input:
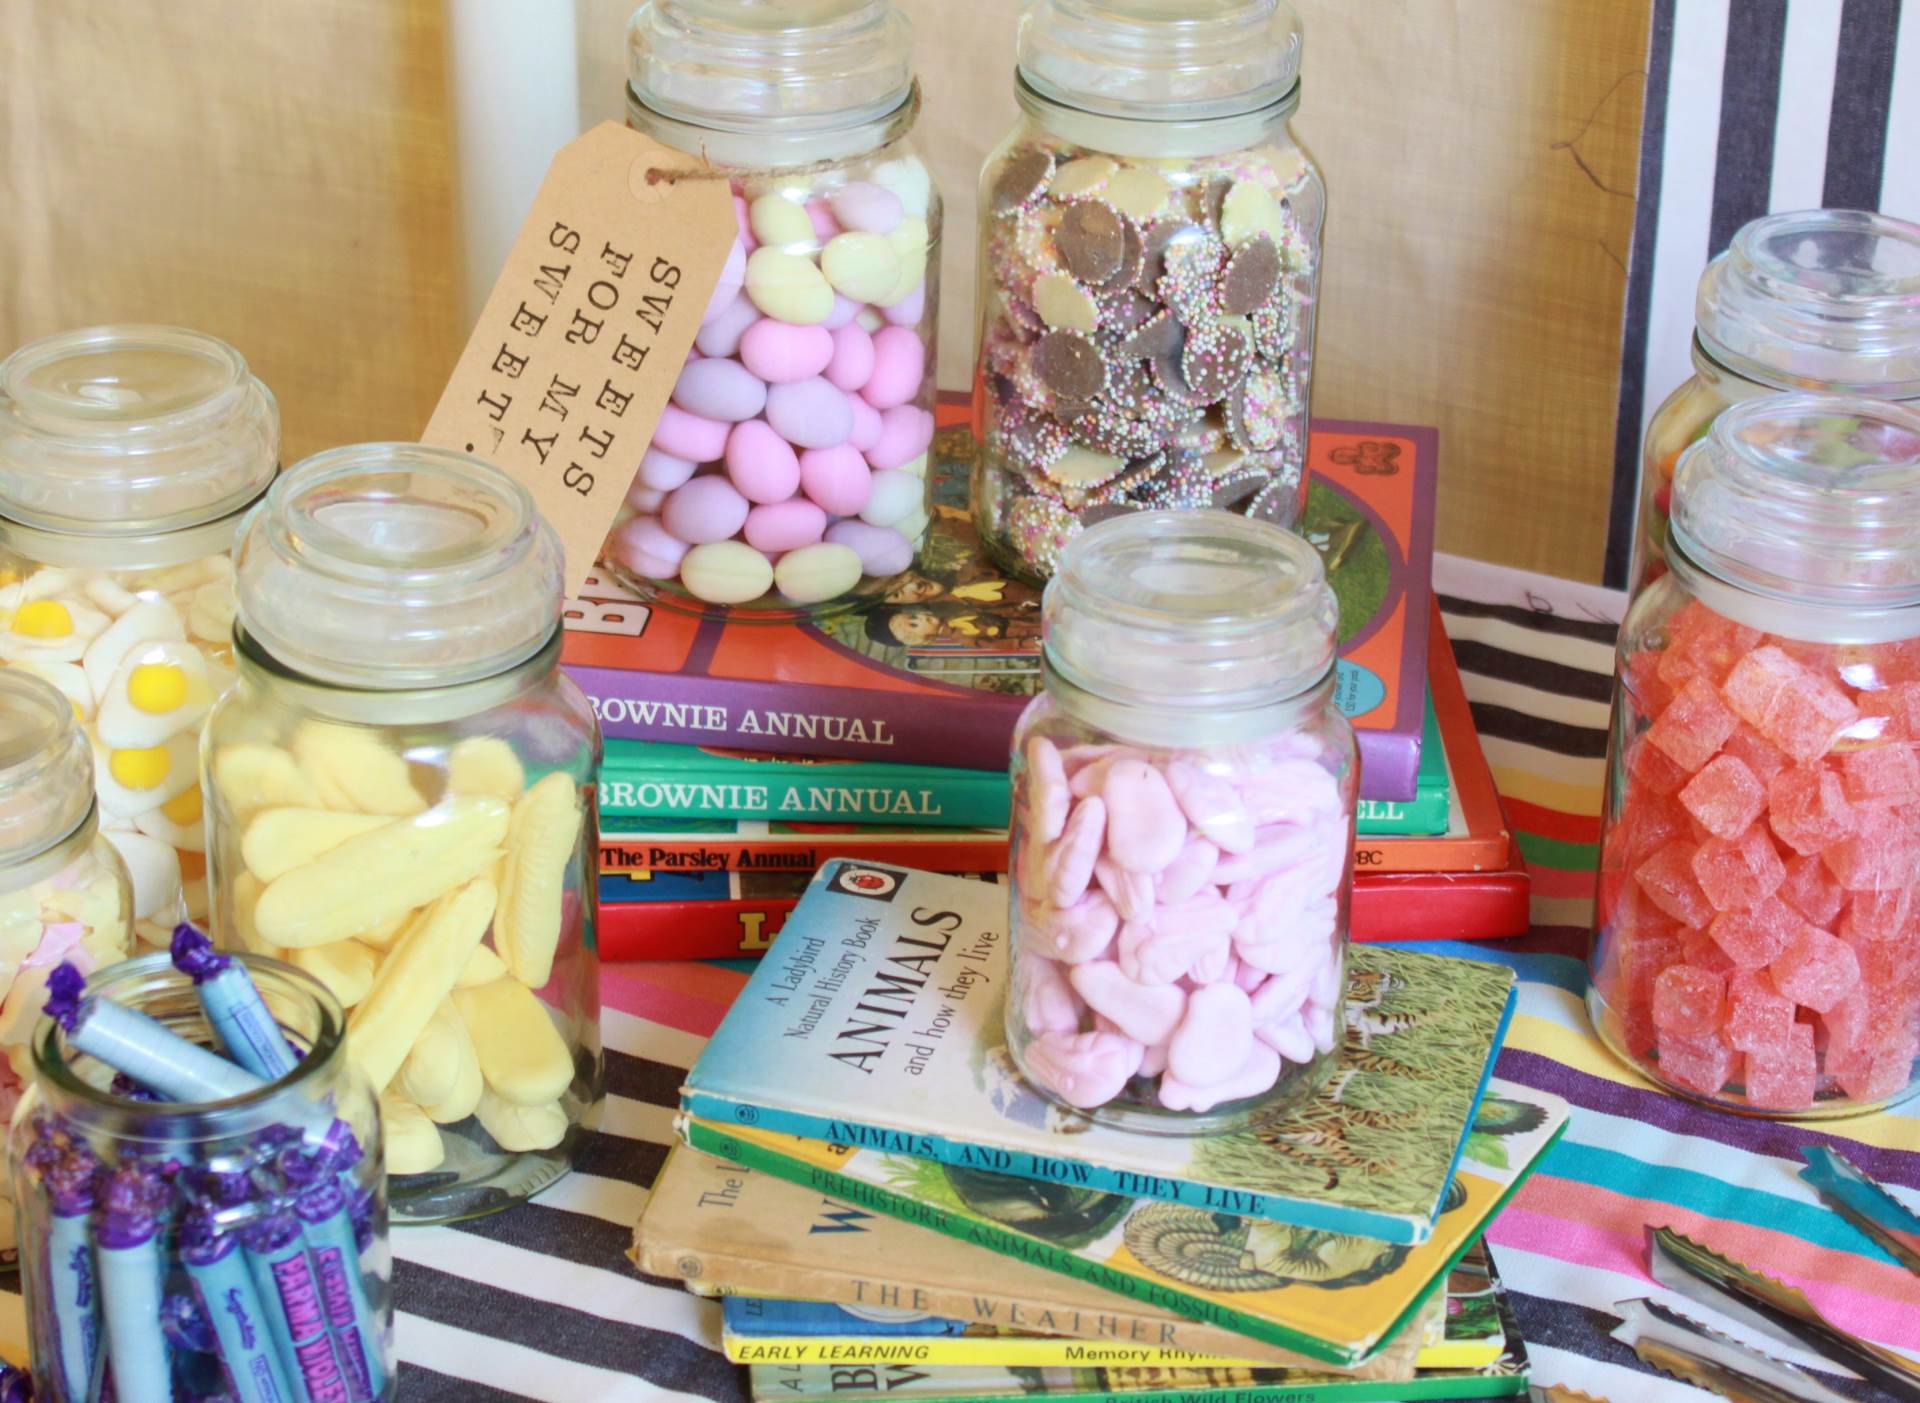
(280, 173)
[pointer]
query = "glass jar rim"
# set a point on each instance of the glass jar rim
(774, 146)
(46, 767)
(1190, 132)
(46, 545)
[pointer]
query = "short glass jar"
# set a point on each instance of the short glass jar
(1183, 819)
(789, 473)
(1757, 941)
(1809, 300)
(1149, 258)
(400, 802)
(128, 456)
(220, 1249)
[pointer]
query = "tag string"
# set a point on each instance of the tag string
(656, 174)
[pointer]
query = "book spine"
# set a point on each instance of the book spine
(807, 794)
(717, 853)
(1463, 853)
(1389, 764)
(1425, 813)
(955, 726)
(1009, 1244)
(1331, 1391)
(1478, 906)
(1003, 1352)
(691, 930)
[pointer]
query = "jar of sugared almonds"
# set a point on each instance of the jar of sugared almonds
(1183, 814)
(400, 802)
(1757, 937)
(128, 457)
(789, 471)
(1149, 259)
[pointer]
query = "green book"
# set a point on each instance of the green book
(659, 779)
(1426, 812)
(1334, 1297)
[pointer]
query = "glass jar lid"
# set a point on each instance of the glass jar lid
(1196, 616)
(739, 65)
(46, 767)
(1826, 299)
(392, 566)
(128, 430)
(1177, 60)
(1809, 500)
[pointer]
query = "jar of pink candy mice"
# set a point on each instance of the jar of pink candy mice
(789, 472)
(1757, 940)
(1183, 810)
(1149, 259)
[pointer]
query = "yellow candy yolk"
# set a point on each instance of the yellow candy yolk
(43, 618)
(157, 687)
(140, 769)
(184, 807)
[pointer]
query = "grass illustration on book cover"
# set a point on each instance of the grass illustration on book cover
(1336, 1297)
(875, 1020)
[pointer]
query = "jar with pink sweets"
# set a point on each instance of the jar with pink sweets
(1757, 940)
(789, 472)
(1183, 812)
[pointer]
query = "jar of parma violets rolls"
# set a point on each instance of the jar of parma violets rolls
(400, 802)
(1757, 942)
(1182, 835)
(789, 472)
(1149, 258)
(128, 457)
(1825, 299)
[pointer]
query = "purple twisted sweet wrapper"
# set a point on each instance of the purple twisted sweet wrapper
(194, 956)
(16, 1384)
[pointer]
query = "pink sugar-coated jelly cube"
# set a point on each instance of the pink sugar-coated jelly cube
(1701, 951)
(1650, 694)
(1688, 1001)
(1083, 1069)
(1652, 769)
(1881, 774)
(1737, 873)
(1692, 728)
(1701, 1064)
(1875, 1073)
(1808, 808)
(1070, 858)
(1760, 755)
(1755, 937)
(1897, 707)
(1816, 970)
(1648, 822)
(1783, 1078)
(1147, 1013)
(1145, 828)
(1811, 890)
(1048, 1002)
(1724, 797)
(1759, 1017)
(1667, 879)
(1046, 783)
(1758, 680)
(1881, 854)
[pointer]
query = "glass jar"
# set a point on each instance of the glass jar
(128, 455)
(1149, 254)
(1757, 944)
(1815, 300)
(222, 1249)
(790, 471)
(1183, 811)
(400, 802)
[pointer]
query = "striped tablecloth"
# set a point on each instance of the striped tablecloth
(541, 1303)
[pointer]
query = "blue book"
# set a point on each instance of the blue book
(874, 1021)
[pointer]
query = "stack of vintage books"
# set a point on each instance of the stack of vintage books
(891, 1210)
(743, 753)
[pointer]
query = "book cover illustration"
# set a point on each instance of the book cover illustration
(663, 780)
(725, 1229)
(1333, 1296)
(876, 1020)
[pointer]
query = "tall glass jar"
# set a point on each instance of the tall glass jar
(400, 802)
(789, 471)
(1149, 255)
(1757, 943)
(1813, 300)
(128, 455)
(1183, 811)
(221, 1249)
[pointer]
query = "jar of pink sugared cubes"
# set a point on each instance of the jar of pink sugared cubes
(1183, 812)
(1757, 941)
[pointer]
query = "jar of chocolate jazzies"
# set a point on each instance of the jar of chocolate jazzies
(128, 457)
(1149, 252)
(1757, 934)
(1183, 817)
(400, 802)
(789, 472)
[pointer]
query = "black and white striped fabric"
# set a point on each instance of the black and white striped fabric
(1752, 106)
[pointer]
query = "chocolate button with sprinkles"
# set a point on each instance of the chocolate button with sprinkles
(1022, 180)
(1252, 274)
(1090, 241)
(1069, 365)
(1215, 360)
(1159, 335)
